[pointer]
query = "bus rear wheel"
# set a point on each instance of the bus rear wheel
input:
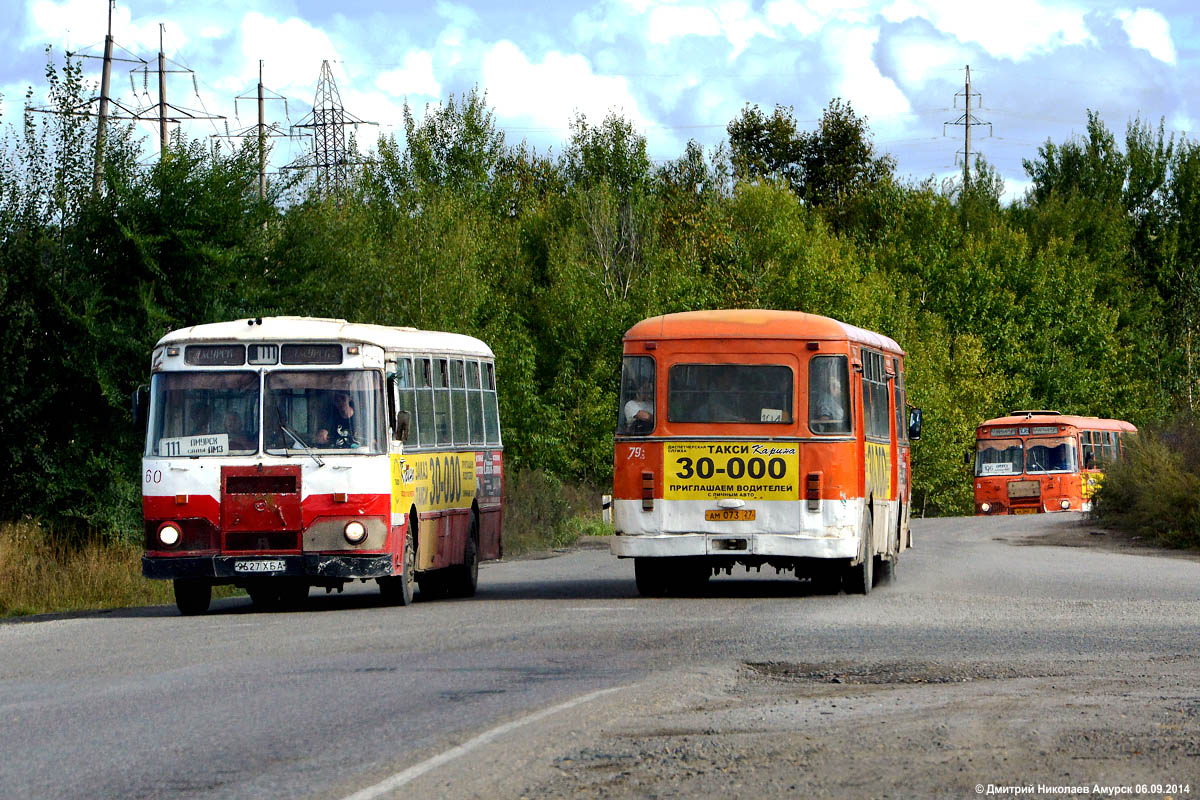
(464, 578)
(192, 597)
(651, 576)
(860, 577)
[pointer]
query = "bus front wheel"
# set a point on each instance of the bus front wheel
(398, 589)
(192, 597)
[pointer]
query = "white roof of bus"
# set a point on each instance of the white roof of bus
(316, 329)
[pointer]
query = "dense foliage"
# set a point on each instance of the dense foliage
(1155, 489)
(1082, 297)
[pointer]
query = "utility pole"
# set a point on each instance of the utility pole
(328, 121)
(105, 99)
(162, 112)
(262, 131)
(102, 123)
(966, 121)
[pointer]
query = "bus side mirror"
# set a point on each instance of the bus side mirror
(914, 423)
(140, 403)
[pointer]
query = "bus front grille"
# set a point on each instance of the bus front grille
(260, 484)
(262, 540)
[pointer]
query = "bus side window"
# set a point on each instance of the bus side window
(1089, 455)
(425, 437)
(441, 400)
(458, 401)
(491, 410)
(406, 397)
(474, 403)
(828, 395)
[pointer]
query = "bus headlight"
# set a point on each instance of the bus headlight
(169, 534)
(1065, 504)
(985, 507)
(355, 532)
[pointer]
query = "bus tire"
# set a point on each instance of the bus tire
(192, 597)
(398, 590)
(692, 576)
(859, 577)
(464, 578)
(651, 576)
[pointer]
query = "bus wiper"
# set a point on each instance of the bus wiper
(283, 427)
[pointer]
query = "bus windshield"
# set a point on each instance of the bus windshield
(203, 414)
(713, 393)
(999, 457)
(1056, 454)
(339, 411)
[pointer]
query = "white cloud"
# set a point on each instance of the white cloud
(551, 92)
(920, 59)
(1016, 29)
(291, 48)
(1150, 31)
(861, 83)
(415, 76)
(667, 23)
(782, 13)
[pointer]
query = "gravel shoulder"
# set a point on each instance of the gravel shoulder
(851, 728)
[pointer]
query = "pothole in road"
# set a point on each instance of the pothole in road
(888, 673)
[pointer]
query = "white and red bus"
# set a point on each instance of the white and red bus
(1031, 462)
(287, 453)
(761, 438)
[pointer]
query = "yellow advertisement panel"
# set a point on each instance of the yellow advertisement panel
(748, 470)
(433, 481)
(879, 470)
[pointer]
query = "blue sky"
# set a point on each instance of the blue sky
(677, 70)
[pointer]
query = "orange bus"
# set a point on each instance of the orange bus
(1032, 462)
(761, 438)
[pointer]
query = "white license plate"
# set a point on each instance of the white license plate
(258, 565)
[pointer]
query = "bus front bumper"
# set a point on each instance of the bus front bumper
(230, 569)
(732, 544)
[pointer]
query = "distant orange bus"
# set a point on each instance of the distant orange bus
(761, 438)
(1032, 462)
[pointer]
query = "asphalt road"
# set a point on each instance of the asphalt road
(556, 679)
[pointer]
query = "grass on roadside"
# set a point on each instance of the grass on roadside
(41, 573)
(1154, 491)
(543, 513)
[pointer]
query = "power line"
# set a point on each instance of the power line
(966, 121)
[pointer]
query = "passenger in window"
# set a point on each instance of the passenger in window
(238, 440)
(200, 419)
(722, 401)
(829, 408)
(639, 412)
(338, 430)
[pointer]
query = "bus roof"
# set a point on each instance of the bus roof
(755, 323)
(317, 329)
(1054, 418)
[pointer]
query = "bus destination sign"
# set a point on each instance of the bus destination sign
(312, 354)
(215, 355)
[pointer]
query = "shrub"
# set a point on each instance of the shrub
(541, 512)
(1154, 490)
